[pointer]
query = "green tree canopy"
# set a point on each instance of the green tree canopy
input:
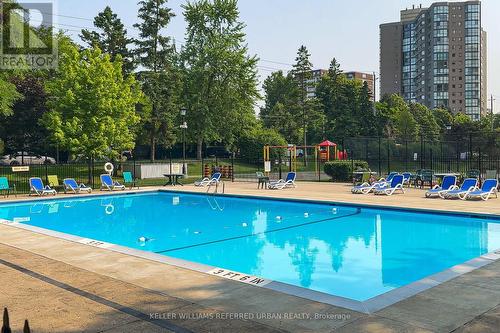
(112, 39)
(220, 77)
(281, 108)
(160, 79)
(8, 96)
(92, 106)
(405, 125)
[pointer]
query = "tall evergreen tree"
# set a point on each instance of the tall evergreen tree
(160, 77)
(302, 71)
(113, 38)
(220, 76)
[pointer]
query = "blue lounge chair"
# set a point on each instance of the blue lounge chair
(6, 188)
(37, 187)
(107, 183)
(209, 181)
(406, 178)
(72, 186)
(282, 183)
(366, 188)
(396, 184)
(468, 186)
(449, 184)
(388, 178)
(490, 187)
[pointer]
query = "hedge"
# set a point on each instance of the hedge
(342, 170)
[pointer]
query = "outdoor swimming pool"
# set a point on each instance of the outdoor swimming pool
(353, 252)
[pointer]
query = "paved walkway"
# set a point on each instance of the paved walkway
(62, 286)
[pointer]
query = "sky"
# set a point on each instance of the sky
(347, 30)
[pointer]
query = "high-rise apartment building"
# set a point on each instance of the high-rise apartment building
(363, 77)
(436, 56)
(316, 75)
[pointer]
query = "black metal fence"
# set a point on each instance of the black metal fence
(458, 156)
(383, 156)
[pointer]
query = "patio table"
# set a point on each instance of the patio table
(173, 179)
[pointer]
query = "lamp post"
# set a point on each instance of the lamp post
(184, 128)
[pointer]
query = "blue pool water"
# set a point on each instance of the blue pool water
(357, 253)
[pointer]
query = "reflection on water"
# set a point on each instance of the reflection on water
(343, 251)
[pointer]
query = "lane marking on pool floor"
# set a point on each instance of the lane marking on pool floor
(358, 211)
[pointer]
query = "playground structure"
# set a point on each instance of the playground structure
(322, 153)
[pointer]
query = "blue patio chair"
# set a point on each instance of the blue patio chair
(467, 186)
(283, 183)
(366, 188)
(449, 184)
(107, 183)
(489, 188)
(209, 181)
(406, 178)
(389, 177)
(37, 187)
(72, 186)
(396, 184)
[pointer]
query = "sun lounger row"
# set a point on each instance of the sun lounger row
(468, 190)
(385, 186)
(70, 185)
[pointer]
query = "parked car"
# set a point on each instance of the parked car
(22, 157)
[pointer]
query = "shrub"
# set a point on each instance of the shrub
(342, 170)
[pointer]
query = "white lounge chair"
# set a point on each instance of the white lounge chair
(72, 186)
(396, 185)
(37, 187)
(468, 186)
(489, 188)
(283, 183)
(449, 184)
(107, 183)
(209, 181)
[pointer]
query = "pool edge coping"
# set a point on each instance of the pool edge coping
(368, 306)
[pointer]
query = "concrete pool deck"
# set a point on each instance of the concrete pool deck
(65, 286)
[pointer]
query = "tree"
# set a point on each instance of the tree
(427, 124)
(21, 130)
(443, 118)
(302, 71)
(113, 38)
(92, 105)
(161, 78)
(8, 96)
(220, 77)
(405, 125)
(252, 141)
(366, 118)
(281, 110)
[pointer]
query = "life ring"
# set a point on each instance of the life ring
(108, 167)
(110, 209)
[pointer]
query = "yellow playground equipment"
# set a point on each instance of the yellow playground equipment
(292, 156)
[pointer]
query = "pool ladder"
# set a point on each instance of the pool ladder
(216, 187)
